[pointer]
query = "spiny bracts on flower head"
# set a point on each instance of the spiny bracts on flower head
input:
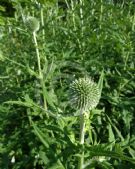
(32, 24)
(84, 94)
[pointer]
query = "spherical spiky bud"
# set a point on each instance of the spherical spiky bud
(32, 24)
(84, 94)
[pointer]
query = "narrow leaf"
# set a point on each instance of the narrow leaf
(100, 82)
(40, 134)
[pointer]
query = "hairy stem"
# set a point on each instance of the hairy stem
(40, 70)
(38, 56)
(81, 139)
(73, 14)
(81, 14)
(101, 14)
(42, 22)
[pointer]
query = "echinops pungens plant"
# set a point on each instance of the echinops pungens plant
(84, 96)
(33, 25)
(92, 36)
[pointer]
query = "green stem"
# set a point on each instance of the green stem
(40, 70)
(67, 3)
(42, 22)
(73, 14)
(38, 56)
(81, 139)
(133, 23)
(101, 14)
(81, 14)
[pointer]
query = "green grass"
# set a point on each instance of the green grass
(38, 125)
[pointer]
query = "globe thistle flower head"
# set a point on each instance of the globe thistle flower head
(84, 94)
(32, 24)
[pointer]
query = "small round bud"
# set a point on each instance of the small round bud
(32, 24)
(84, 94)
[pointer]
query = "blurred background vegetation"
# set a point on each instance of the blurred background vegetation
(76, 39)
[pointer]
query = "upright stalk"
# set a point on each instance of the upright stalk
(67, 3)
(81, 14)
(84, 96)
(101, 14)
(73, 14)
(42, 21)
(38, 55)
(133, 23)
(40, 70)
(81, 139)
